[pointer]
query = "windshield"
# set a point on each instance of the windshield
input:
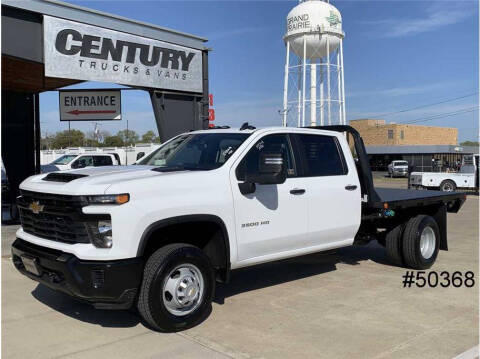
(63, 160)
(400, 163)
(203, 151)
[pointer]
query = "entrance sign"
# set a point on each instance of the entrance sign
(95, 105)
(78, 51)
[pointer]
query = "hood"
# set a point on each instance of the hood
(90, 180)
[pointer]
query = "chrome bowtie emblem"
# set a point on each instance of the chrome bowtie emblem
(36, 207)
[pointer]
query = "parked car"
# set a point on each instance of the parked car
(159, 234)
(466, 178)
(398, 169)
(74, 161)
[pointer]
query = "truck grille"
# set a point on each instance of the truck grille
(55, 217)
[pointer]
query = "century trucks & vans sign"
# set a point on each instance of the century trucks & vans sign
(78, 51)
(90, 105)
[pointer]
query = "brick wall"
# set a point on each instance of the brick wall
(378, 132)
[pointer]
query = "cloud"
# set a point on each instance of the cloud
(437, 14)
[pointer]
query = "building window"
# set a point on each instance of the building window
(402, 135)
(390, 134)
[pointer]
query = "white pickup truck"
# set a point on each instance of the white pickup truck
(160, 233)
(466, 178)
(398, 168)
(82, 160)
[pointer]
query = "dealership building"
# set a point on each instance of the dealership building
(426, 148)
(48, 44)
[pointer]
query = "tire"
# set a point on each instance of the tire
(448, 186)
(420, 253)
(393, 245)
(163, 274)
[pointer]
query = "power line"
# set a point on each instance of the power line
(423, 106)
(442, 115)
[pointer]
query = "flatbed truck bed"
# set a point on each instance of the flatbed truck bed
(395, 198)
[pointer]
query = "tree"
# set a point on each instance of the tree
(113, 141)
(46, 142)
(128, 137)
(150, 137)
(72, 138)
(469, 143)
(90, 142)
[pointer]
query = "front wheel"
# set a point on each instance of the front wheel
(177, 288)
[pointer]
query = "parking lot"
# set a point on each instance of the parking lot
(345, 304)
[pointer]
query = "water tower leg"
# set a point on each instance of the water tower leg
(343, 84)
(313, 94)
(299, 103)
(285, 87)
(339, 89)
(304, 77)
(321, 94)
(328, 82)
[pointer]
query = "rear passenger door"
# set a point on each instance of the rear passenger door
(332, 190)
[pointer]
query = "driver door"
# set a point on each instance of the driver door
(273, 219)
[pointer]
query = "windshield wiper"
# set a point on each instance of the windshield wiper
(168, 169)
(181, 168)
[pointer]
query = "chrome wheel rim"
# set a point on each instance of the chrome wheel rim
(427, 242)
(183, 290)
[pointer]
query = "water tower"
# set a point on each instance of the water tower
(314, 91)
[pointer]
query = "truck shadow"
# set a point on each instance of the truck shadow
(242, 280)
(84, 312)
(287, 270)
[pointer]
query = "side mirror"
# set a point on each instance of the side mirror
(140, 155)
(271, 170)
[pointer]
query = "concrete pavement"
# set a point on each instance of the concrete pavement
(348, 304)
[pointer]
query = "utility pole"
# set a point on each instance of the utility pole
(126, 141)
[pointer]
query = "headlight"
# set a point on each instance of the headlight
(101, 233)
(109, 199)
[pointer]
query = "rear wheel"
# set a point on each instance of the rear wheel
(393, 245)
(448, 186)
(421, 240)
(177, 288)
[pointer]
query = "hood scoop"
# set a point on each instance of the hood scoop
(62, 177)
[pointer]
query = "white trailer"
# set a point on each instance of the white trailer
(466, 178)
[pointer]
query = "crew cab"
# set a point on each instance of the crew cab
(398, 168)
(74, 161)
(159, 234)
(466, 178)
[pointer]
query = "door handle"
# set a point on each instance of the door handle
(297, 191)
(351, 187)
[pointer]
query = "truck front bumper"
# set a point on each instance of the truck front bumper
(400, 173)
(104, 284)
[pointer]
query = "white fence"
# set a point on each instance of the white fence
(128, 155)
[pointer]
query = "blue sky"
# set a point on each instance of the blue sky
(398, 55)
